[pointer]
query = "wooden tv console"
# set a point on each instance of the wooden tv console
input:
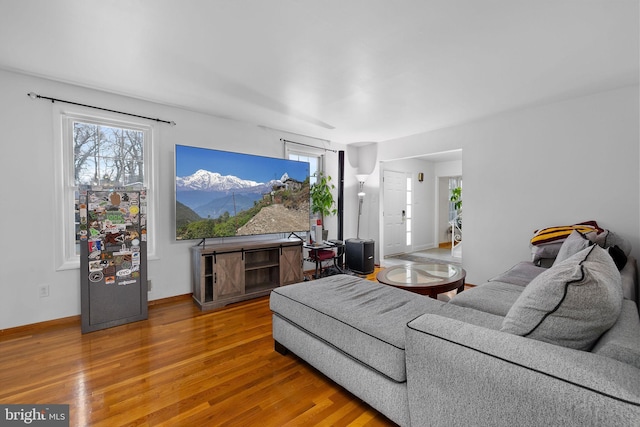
(227, 273)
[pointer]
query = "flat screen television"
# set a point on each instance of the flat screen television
(225, 194)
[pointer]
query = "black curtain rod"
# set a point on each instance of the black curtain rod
(309, 145)
(35, 95)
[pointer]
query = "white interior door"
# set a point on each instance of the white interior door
(394, 212)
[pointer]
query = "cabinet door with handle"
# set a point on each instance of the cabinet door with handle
(290, 264)
(229, 275)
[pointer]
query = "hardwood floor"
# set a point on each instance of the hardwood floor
(181, 367)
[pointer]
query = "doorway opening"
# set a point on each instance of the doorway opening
(450, 214)
(416, 208)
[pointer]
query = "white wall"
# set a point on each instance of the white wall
(553, 164)
(27, 183)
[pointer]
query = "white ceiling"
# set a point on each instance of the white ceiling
(343, 70)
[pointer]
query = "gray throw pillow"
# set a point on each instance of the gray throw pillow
(573, 244)
(572, 304)
(609, 238)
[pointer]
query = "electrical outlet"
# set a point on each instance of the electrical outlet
(149, 285)
(43, 291)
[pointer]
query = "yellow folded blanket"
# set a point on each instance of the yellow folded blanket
(554, 234)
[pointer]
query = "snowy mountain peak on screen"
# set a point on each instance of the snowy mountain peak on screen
(213, 181)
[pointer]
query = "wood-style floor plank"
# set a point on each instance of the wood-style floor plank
(181, 367)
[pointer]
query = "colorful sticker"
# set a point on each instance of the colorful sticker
(96, 276)
(123, 251)
(114, 198)
(95, 245)
(123, 273)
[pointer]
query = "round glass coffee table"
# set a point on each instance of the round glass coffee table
(426, 278)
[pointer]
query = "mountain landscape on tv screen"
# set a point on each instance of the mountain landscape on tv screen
(209, 204)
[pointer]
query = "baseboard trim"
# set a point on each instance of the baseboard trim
(40, 326)
(71, 320)
(175, 298)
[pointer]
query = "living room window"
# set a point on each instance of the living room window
(314, 160)
(99, 151)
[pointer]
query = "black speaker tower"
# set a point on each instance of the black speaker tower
(360, 255)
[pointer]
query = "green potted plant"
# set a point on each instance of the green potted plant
(456, 198)
(322, 202)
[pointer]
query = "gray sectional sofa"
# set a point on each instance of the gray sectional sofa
(532, 346)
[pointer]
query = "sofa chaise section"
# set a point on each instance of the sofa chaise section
(362, 319)
(353, 332)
